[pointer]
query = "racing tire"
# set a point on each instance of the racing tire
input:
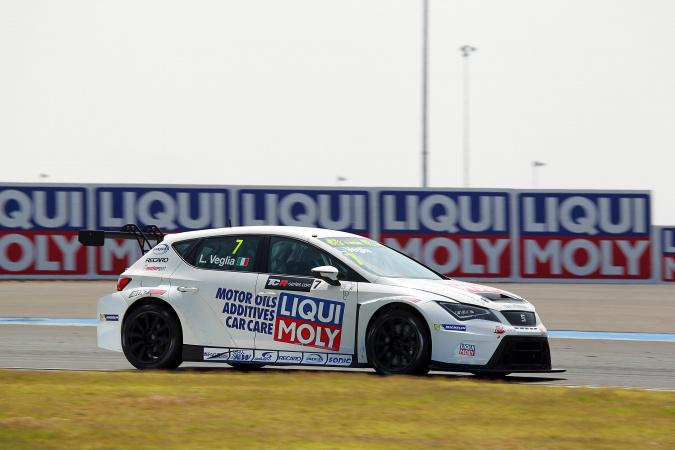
(398, 343)
(152, 338)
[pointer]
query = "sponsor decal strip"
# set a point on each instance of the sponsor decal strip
(274, 356)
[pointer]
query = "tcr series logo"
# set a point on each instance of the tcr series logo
(290, 283)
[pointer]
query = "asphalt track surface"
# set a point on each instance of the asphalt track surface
(589, 362)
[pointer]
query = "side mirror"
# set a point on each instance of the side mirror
(329, 274)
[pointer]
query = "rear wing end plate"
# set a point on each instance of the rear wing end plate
(96, 238)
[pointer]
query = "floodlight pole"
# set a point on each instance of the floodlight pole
(425, 21)
(466, 50)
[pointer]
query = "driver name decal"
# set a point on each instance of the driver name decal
(308, 321)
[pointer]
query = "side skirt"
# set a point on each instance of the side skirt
(197, 353)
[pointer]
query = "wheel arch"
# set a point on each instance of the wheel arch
(151, 301)
(163, 347)
(370, 311)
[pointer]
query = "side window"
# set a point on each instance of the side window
(183, 247)
(237, 253)
(292, 257)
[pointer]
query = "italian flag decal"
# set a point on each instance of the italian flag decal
(242, 261)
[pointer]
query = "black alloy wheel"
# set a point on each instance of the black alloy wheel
(152, 338)
(398, 342)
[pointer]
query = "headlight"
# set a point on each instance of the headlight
(468, 312)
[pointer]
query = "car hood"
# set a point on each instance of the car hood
(463, 292)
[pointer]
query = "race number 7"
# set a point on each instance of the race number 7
(237, 247)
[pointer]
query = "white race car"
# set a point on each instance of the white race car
(254, 296)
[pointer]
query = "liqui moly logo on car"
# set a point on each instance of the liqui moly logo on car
(668, 253)
(467, 349)
(171, 209)
(336, 210)
(458, 233)
(309, 321)
(584, 235)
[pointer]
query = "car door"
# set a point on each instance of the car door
(221, 273)
(303, 319)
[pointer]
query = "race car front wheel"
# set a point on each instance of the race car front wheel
(398, 342)
(152, 338)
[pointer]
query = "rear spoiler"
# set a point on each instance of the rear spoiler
(96, 238)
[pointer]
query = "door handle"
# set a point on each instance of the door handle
(187, 289)
(268, 293)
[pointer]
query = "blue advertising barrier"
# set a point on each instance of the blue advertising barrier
(497, 235)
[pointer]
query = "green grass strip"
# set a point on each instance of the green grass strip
(319, 409)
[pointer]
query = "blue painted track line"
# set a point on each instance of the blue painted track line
(43, 321)
(609, 335)
(551, 333)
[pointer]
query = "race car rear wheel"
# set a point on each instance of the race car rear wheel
(398, 342)
(152, 338)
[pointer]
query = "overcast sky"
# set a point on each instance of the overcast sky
(303, 92)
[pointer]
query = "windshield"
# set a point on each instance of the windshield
(378, 259)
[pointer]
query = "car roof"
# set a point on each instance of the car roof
(304, 233)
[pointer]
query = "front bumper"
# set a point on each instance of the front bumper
(514, 354)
